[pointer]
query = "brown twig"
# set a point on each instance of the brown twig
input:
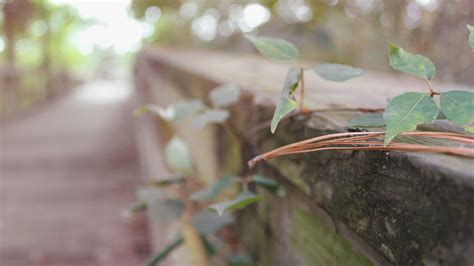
(370, 141)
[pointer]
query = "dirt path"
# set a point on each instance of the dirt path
(66, 174)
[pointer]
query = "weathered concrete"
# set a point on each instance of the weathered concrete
(395, 208)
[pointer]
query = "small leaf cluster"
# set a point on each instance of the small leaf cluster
(403, 113)
(281, 50)
(168, 205)
(202, 114)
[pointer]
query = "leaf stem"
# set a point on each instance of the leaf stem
(432, 92)
(302, 109)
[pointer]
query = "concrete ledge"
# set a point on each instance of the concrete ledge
(392, 208)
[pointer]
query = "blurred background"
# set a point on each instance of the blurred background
(50, 45)
(67, 151)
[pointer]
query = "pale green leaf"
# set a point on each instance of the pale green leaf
(224, 95)
(274, 48)
(209, 117)
(406, 111)
(155, 259)
(208, 224)
(471, 36)
(174, 112)
(458, 107)
(241, 201)
(414, 64)
(269, 184)
(337, 72)
(212, 191)
(368, 120)
(178, 157)
(287, 102)
(164, 210)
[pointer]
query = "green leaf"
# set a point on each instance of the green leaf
(163, 182)
(471, 35)
(240, 259)
(212, 191)
(368, 120)
(287, 102)
(269, 184)
(224, 95)
(178, 157)
(406, 111)
(155, 259)
(414, 64)
(458, 107)
(164, 210)
(208, 224)
(274, 48)
(241, 201)
(337, 72)
(174, 112)
(208, 117)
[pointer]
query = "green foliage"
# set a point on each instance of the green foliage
(212, 191)
(208, 223)
(164, 210)
(406, 111)
(287, 102)
(268, 184)
(212, 116)
(414, 64)
(274, 48)
(458, 107)
(239, 260)
(154, 260)
(337, 72)
(177, 156)
(173, 113)
(368, 120)
(167, 181)
(241, 201)
(471, 35)
(224, 95)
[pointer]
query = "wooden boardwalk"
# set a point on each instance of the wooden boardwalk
(66, 174)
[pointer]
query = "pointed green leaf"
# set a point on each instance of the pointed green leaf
(337, 72)
(406, 111)
(155, 259)
(208, 224)
(224, 95)
(368, 120)
(212, 191)
(287, 102)
(414, 64)
(177, 156)
(209, 117)
(174, 112)
(471, 35)
(274, 48)
(458, 107)
(241, 201)
(269, 184)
